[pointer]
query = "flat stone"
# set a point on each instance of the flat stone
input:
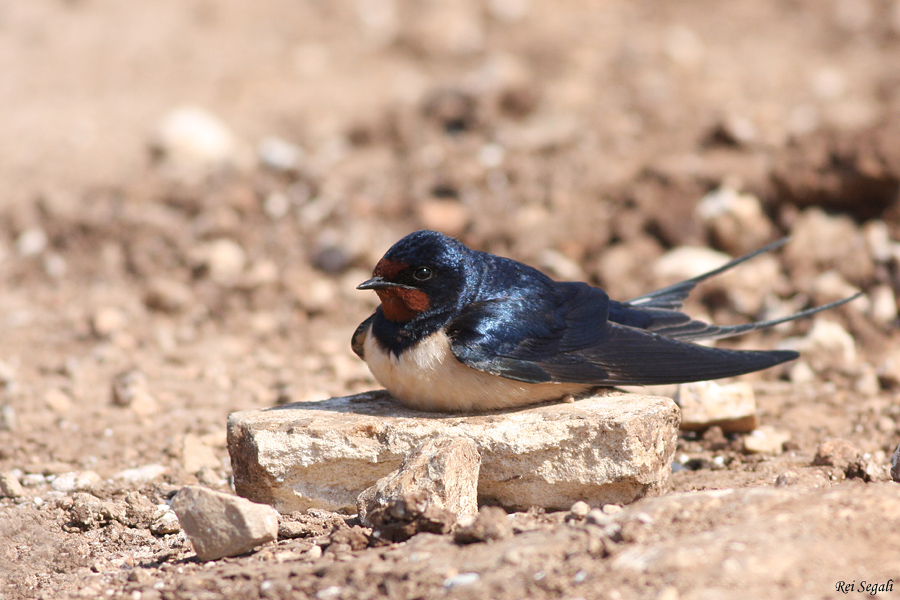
(705, 404)
(606, 449)
(220, 524)
(444, 469)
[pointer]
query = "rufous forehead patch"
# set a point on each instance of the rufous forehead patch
(389, 269)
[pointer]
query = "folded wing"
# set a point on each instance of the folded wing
(571, 340)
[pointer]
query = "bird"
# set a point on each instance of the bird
(460, 330)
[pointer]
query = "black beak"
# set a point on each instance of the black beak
(379, 283)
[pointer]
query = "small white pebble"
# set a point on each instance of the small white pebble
(31, 242)
(491, 155)
(580, 509)
(461, 580)
(644, 518)
(328, 593)
(598, 517)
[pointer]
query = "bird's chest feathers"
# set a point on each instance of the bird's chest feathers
(430, 361)
(428, 376)
(401, 305)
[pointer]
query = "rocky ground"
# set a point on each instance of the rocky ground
(163, 267)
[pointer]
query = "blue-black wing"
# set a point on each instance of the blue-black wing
(567, 337)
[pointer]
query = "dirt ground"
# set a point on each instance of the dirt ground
(147, 294)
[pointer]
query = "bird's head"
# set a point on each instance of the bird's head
(422, 274)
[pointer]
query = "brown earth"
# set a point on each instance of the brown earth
(576, 136)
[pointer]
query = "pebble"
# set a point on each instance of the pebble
(277, 205)
(9, 421)
(379, 21)
(737, 130)
(57, 400)
(704, 404)
(800, 372)
(220, 524)
(819, 239)
(867, 383)
(10, 486)
(31, 242)
(33, 479)
(194, 141)
(332, 592)
(55, 265)
(884, 304)
(878, 240)
(596, 516)
(766, 440)
(491, 155)
(827, 344)
(331, 253)
(7, 373)
(454, 28)
(685, 262)
(107, 321)
(224, 259)
(889, 369)
(144, 474)
(786, 478)
(317, 295)
(75, 482)
(886, 425)
(260, 273)
(836, 452)
(580, 509)
(167, 295)
(735, 220)
(166, 524)
(683, 46)
(447, 216)
(127, 386)
(560, 266)
(278, 154)
(490, 524)
(830, 286)
(461, 580)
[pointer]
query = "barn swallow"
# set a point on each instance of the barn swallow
(463, 330)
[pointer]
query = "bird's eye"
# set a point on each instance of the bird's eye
(422, 274)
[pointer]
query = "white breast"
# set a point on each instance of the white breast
(428, 376)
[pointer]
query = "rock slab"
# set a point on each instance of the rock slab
(220, 524)
(606, 449)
